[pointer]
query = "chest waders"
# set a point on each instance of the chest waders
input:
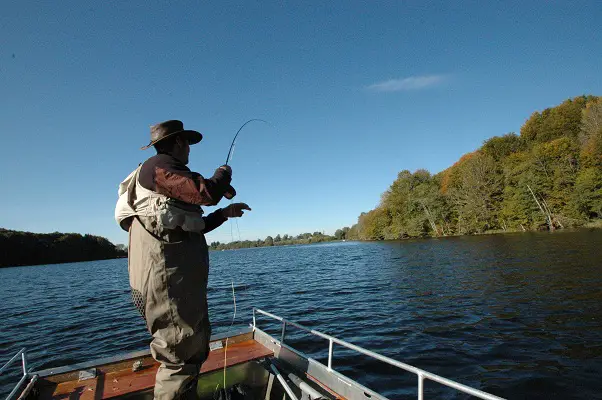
(168, 264)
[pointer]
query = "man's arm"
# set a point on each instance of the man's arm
(220, 216)
(216, 186)
(165, 175)
(214, 220)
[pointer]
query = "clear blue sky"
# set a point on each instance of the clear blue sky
(355, 92)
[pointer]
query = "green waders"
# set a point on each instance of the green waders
(168, 276)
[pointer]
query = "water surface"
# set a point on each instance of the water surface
(517, 315)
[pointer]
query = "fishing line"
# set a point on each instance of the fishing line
(231, 324)
(229, 330)
(231, 228)
(230, 153)
(238, 229)
(233, 301)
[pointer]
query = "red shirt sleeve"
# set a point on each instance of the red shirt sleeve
(170, 177)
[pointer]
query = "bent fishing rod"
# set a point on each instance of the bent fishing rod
(236, 136)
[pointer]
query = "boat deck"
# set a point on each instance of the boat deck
(265, 366)
(119, 379)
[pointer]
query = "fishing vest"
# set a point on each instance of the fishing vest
(135, 200)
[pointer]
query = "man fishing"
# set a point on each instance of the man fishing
(168, 260)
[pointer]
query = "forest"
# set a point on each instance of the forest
(27, 248)
(547, 177)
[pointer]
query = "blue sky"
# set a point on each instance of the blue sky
(354, 92)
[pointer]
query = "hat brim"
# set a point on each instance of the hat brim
(193, 137)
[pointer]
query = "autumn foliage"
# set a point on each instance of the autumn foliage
(548, 177)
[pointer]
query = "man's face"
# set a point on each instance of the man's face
(182, 150)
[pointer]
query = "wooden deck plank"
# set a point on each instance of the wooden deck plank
(116, 383)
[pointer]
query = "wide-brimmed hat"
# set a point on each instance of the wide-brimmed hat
(166, 129)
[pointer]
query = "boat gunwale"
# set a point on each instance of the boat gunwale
(105, 361)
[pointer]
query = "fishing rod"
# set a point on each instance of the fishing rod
(235, 136)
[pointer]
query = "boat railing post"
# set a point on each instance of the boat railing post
(283, 331)
(12, 360)
(254, 323)
(286, 387)
(24, 362)
(420, 386)
(330, 354)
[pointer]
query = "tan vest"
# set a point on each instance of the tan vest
(136, 200)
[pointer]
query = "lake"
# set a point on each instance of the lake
(517, 315)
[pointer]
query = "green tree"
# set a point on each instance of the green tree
(518, 210)
(476, 193)
(500, 147)
(353, 233)
(587, 196)
(559, 121)
(590, 137)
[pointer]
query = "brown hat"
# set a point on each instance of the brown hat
(166, 129)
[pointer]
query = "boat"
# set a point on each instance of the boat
(266, 366)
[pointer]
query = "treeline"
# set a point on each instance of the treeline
(26, 248)
(304, 238)
(548, 177)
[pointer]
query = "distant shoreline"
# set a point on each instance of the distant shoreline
(59, 263)
(595, 225)
(20, 249)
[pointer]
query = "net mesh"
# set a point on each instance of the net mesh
(139, 302)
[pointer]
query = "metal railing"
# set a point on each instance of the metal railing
(23, 356)
(421, 374)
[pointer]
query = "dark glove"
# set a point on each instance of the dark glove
(225, 168)
(230, 192)
(235, 210)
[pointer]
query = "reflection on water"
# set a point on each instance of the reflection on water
(519, 315)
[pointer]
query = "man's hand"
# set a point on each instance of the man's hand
(230, 192)
(227, 169)
(235, 210)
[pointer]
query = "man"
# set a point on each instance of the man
(168, 261)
